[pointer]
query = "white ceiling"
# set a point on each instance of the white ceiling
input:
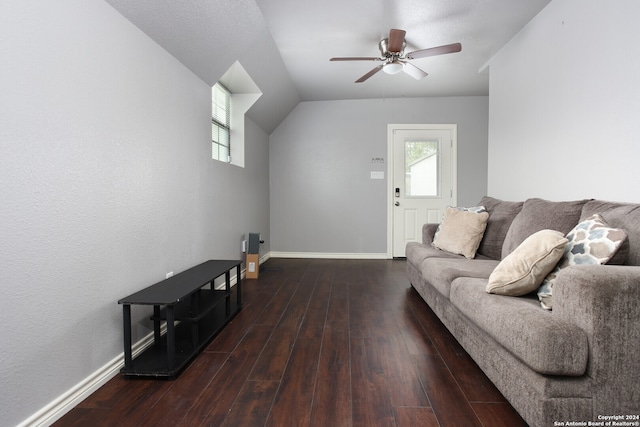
(285, 45)
(309, 32)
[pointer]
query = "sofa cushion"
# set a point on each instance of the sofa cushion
(501, 215)
(591, 242)
(544, 342)
(417, 252)
(440, 272)
(524, 269)
(538, 214)
(461, 231)
(619, 215)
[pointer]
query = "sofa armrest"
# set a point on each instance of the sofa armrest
(428, 231)
(605, 302)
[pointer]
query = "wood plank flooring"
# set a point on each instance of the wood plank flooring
(317, 343)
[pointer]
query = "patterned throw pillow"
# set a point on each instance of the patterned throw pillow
(590, 242)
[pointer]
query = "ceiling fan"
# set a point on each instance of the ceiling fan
(395, 60)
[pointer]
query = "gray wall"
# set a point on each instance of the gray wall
(564, 105)
(107, 184)
(322, 198)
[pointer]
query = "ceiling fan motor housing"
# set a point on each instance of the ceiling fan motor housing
(384, 49)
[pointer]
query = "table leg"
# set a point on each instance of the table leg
(156, 326)
(227, 288)
(171, 338)
(126, 314)
(195, 304)
(238, 287)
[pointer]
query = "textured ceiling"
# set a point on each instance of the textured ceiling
(308, 33)
(285, 45)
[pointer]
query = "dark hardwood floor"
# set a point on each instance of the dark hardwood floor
(317, 343)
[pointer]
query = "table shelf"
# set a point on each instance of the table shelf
(207, 300)
(193, 314)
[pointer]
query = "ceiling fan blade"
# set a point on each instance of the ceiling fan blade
(396, 39)
(414, 71)
(370, 73)
(356, 58)
(440, 50)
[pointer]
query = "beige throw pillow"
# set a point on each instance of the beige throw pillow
(524, 269)
(461, 232)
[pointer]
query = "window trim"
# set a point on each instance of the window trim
(244, 94)
(217, 119)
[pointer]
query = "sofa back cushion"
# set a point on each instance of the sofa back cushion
(501, 214)
(539, 214)
(619, 215)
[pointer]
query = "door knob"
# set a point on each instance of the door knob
(397, 203)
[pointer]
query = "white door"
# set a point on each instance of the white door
(422, 180)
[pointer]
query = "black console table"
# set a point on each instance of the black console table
(199, 312)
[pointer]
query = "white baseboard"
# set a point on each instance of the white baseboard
(66, 402)
(264, 258)
(72, 397)
(328, 255)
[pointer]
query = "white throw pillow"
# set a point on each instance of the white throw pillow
(461, 231)
(524, 269)
(476, 209)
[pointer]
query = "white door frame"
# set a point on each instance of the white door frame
(390, 161)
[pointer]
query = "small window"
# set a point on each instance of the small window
(231, 98)
(422, 162)
(221, 123)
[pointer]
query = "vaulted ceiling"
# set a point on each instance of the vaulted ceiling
(308, 33)
(285, 45)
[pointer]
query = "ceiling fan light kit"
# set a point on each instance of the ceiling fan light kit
(395, 60)
(392, 67)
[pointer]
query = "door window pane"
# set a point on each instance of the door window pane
(422, 167)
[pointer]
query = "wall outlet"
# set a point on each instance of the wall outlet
(244, 246)
(169, 274)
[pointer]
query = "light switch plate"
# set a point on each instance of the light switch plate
(377, 175)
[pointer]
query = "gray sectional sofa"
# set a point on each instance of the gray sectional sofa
(580, 361)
